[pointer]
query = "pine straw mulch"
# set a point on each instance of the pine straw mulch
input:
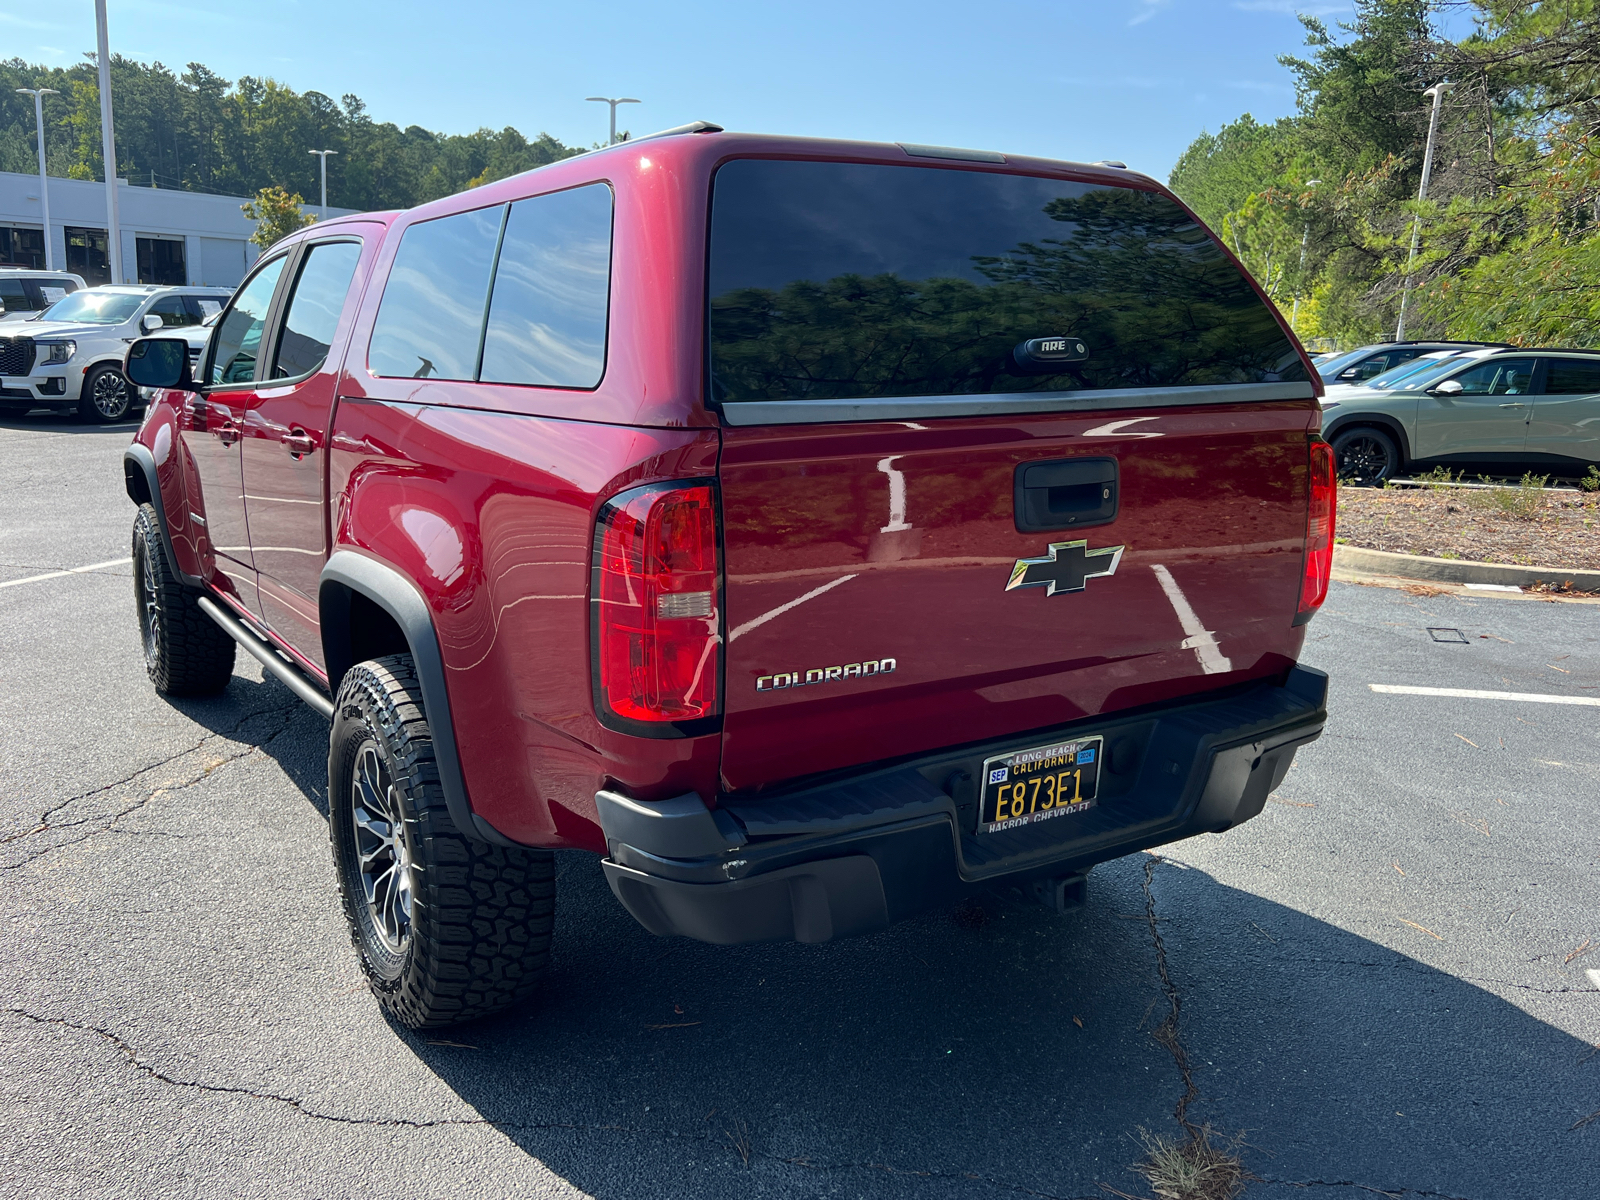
(1523, 526)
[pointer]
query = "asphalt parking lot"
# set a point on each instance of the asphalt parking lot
(1387, 983)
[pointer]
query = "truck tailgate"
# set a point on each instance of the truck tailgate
(868, 613)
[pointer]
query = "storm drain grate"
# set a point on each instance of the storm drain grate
(1452, 636)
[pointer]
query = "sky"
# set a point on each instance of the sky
(1134, 80)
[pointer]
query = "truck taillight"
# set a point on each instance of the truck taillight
(655, 603)
(1319, 531)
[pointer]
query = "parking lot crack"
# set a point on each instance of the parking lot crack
(1398, 1192)
(106, 822)
(302, 1107)
(1526, 987)
(1167, 1032)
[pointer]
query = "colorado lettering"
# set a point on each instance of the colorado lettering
(856, 670)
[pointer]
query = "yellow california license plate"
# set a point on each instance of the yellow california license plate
(1035, 785)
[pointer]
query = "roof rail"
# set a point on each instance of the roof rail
(1553, 349)
(691, 127)
(951, 152)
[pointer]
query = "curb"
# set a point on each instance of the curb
(1455, 570)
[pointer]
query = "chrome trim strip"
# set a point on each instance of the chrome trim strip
(904, 408)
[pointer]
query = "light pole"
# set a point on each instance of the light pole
(108, 147)
(322, 161)
(1305, 236)
(38, 95)
(1437, 91)
(613, 104)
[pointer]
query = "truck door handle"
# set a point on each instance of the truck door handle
(300, 442)
(228, 433)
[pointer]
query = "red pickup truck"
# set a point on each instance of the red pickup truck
(815, 531)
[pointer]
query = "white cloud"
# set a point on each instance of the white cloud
(1148, 10)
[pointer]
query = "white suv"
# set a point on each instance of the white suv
(70, 355)
(25, 291)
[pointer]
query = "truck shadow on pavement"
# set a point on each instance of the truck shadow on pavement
(1000, 1049)
(965, 1054)
(263, 713)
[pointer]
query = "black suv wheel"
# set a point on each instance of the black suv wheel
(448, 928)
(185, 653)
(1365, 456)
(106, 396)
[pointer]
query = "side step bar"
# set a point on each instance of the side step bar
(289, 675)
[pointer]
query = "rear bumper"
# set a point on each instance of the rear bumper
(855, 855)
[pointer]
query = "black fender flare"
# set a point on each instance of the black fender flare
(139, 477)
(348, 572)
(1382, 421)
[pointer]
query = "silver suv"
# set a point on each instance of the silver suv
(70, 355)
(1500, 408)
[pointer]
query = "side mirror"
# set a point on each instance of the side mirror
(151, 322)
(1450, 387)
(1348, 373)
(158, 363)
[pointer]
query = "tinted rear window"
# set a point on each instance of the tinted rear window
(834, 281)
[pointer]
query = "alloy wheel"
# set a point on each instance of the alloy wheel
(382, 854)
(1364, 460)
(149, 610)
(110, 394)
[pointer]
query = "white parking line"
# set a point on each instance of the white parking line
(115, 562)
(1476, 694)
(1200, 639)
(755, 622)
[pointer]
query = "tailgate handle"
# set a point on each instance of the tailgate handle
(1068, 493)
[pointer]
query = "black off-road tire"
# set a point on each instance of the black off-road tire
(1365, 456)
(106, 396)
(185, 652)
(470, 932)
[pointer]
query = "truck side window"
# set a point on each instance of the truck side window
(430, 322)
(547, 313)
(238, 339)
(314, 309)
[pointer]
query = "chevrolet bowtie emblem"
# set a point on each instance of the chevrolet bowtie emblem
(1067, 567)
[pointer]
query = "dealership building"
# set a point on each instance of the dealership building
(168, 236)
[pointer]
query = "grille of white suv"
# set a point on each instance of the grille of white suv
(16, 356)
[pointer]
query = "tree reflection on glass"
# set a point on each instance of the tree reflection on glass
(1128, 272)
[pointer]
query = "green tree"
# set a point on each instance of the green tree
(277, 213)
(202, 132)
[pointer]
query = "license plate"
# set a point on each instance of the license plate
(1037, 784)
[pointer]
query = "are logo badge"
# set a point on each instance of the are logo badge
(1067, 568)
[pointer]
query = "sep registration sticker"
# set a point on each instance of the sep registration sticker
(1037, 784)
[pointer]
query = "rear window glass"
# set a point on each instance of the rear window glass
(431, 317)
(547, 318)
(832, 281)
